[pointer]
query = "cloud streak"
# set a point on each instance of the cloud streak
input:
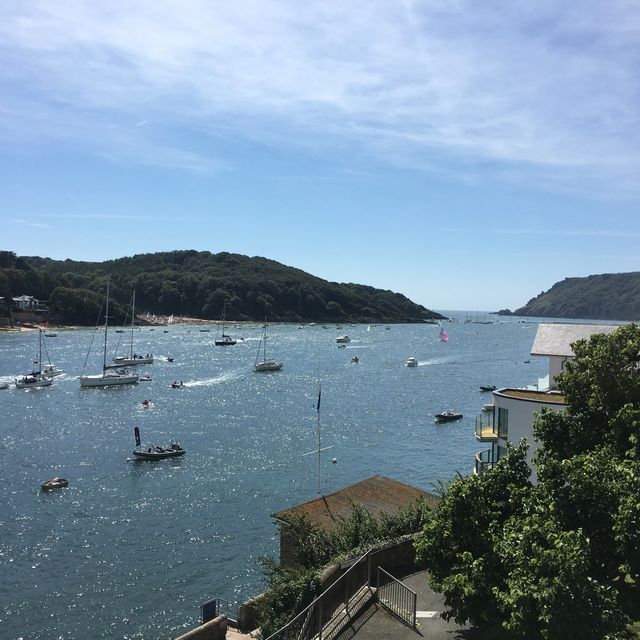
(539, 87)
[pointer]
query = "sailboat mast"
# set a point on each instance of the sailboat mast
(106, 324)
(40, 351)
(318, 437)
(133, 317)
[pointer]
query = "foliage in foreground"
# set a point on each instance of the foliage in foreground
(560, 559)
(291, 589)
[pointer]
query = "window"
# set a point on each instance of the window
(503, 422)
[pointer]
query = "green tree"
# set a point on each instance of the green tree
(458, 542)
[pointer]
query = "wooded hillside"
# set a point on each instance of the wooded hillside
(610, 296)
(196, 284)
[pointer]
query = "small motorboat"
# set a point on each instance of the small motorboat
(54, 483)
(145, 378)
(169, 358)
(411, 362)
(343, 339)
(448, 416)
(177, 385)
(173, 450)
(155, 452)
(488, 387)
(51, 371)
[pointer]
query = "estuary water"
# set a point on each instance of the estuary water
(131, 549)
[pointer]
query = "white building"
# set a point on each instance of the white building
(510, 417)
(26, 303)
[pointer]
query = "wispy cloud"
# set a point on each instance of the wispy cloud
(28, 223)
(548, 86)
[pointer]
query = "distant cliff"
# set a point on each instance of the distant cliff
(197, 284)
(610, 296)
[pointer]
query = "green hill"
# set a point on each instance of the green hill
(196, 284)
(610, 296)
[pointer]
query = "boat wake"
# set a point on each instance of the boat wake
(221, 379)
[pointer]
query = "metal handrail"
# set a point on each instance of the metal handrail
(397, 597)
(309, 630)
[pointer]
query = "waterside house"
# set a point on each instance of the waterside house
(510, 416)
(377, 495)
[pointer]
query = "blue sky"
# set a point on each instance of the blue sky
(468, 154)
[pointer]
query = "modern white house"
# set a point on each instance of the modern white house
(510, 416)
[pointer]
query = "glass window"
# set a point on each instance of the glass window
(503, 422)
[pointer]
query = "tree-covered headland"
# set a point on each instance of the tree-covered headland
(560, 559)
(197, 284)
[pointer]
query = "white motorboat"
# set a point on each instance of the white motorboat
(266, 364)
(411, 362)
(51, 371)
(343, 339)
(108, 377)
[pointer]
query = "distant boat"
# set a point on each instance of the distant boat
(54, 483)
(448, 416)
(355, 360)
(178, 385)
(343, 339)
(37, 378)
(224, 340)
(155, 452)
(108, 377)
(4, 385)
(443, 336)
(131, 359)
(51, 371)
(411, 362)
(491, 387)
(266, 364)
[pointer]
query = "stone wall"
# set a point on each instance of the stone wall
(215, 629)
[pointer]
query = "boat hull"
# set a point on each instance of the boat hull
(448, 417)
(108, 381)
(157, 455)
(268, 365)
(224, 342)
(128, 362)
(32, 383)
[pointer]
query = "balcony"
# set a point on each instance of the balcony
(485, 428)
(484, 460)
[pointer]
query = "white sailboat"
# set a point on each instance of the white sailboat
(266, 364)
(35, 378)
(131, 358)
(108, 377)
(224, 340)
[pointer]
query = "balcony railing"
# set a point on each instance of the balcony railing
(484, 460)
(485, 429)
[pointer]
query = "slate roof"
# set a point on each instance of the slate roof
(556, 339)
(377, 494)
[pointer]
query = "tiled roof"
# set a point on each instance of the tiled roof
(376, 494)
(556, 339)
